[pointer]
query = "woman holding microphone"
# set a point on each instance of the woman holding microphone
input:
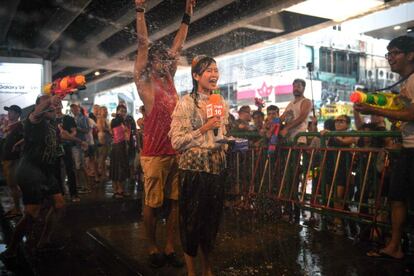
(195, 133)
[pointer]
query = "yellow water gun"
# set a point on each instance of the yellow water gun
(385, 100)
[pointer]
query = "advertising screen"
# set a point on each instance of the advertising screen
(20, 84)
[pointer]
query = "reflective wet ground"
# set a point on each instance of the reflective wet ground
(104, 236)
(249, 247)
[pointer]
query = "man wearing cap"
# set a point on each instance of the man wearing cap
(400, 57)
(11, 155)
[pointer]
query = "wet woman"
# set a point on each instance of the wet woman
(119, 169)
(202, 163)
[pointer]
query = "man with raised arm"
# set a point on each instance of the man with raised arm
(36, 174)
(154, 70)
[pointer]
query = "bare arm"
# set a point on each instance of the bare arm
(49, 104)
(181, 35)
(358, 120)
(305, 108)
(406, 114)
(142, 35)
(141, 74)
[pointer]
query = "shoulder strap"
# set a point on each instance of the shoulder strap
(395, 84)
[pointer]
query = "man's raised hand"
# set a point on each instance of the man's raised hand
(189, 6)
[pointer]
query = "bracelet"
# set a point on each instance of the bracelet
(186, 19)
(139, 9)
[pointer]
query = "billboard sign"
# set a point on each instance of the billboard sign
(20, 84)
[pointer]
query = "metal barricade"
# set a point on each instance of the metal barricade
(338, 181)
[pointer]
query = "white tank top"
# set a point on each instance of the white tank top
(292, 112)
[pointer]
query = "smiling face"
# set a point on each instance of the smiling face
(207, 80)
(397, 60)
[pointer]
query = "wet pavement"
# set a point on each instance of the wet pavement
(97, 208)
(246, 246)
(105, 236)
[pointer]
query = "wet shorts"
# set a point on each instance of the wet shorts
(160, 179)
(36, 184)
(402, 183)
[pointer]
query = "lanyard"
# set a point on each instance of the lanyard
(395, 84)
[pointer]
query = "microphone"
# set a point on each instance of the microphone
(214, 107)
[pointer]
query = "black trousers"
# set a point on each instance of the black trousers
(69, 167)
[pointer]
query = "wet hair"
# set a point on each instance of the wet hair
(329, 124)
(301, 81)
(198, 66)
(272, 108)
(257, 112)
(157, 50)
(404, 43)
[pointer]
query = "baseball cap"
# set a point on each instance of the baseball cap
(14, 108)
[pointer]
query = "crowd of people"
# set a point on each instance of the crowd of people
(177, 144)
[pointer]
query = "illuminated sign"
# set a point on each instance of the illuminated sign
(20, 84)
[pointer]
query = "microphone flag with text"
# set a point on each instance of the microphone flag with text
(215, 107)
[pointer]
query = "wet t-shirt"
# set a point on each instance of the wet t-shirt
(158, 121)
(41, 143)
(407, 128)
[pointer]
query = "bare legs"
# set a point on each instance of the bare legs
(150, 228)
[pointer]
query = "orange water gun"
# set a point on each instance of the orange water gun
(66, 85)
(385, 100)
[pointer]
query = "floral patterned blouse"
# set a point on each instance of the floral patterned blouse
(198, 152)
